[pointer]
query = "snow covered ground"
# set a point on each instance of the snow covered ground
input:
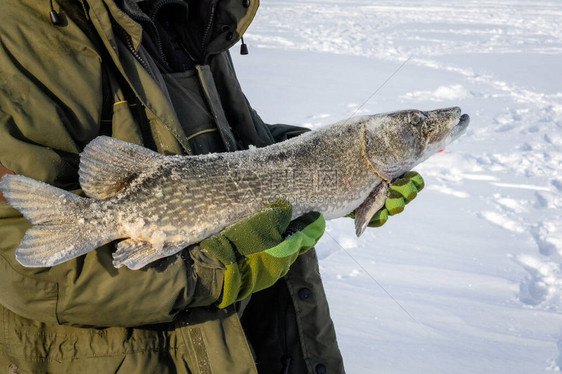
(475, 261)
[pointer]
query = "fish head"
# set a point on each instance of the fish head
(398, 141)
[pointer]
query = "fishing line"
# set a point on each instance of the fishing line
(381, 86)
(327, 233)
(372, 277)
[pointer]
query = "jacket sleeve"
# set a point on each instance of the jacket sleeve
(279, 132)
(282, 132)
(50, 107)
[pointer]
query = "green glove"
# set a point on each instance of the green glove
(259, 249)
(401, 192)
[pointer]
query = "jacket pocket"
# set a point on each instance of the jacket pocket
(36, 347)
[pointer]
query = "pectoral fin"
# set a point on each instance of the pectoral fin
(369, 207)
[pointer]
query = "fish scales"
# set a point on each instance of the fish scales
(242, 184)
(161, 204)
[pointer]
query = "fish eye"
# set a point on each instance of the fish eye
(416, 118)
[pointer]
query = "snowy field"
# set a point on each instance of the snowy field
(475, 261)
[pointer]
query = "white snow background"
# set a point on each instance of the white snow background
(476, 259)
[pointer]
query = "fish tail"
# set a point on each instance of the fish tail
(59, 232)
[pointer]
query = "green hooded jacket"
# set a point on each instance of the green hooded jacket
(60, 87)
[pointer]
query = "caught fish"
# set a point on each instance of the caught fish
(161, 204)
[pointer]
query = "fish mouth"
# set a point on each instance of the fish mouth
(456, 121)
(464, 121)
(460, 127)
(450, 124)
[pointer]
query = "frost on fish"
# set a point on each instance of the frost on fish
(161, 204)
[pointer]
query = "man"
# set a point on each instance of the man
(155, 73)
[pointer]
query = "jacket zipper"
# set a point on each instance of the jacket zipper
(159, 42)
(153, 12)
(156, 7)
(207, 32)
(156, 33)
(129, 41)
(135, 53)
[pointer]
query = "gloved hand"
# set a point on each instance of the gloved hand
(259, 249)
(401, 192)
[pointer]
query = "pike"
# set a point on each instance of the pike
(161, 204)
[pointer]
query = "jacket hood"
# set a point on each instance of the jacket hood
(216, 25)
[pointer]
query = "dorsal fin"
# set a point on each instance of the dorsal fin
(108, 164)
